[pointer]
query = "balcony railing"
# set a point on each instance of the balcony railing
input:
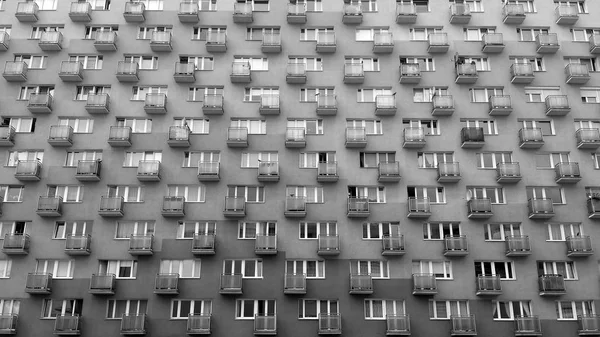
(203, 244)
(466, 73)
(213, 104)
(356, 134)
(166, 283)
(392, 244)
(567, 170)
(97, 103)
(103, 284)
(528, 326)
(231, 283)
(397, 324)
(456, 244)
(557, 105)
(294, 284)
(540, 206)
(49, 206)
(508, 172)
(216, 38)
(160, 38)
(133, 324)
(269, 102)
(271, 39)
(383, 39)
(513, 10)
(8, 324)
(479, 207)
(588, 324)
(179, 133)
(500, 105)
(295, 204)
(472, 135)
(296, 9)
(240, 68)
(265, 324)
(330, 324)
(148, 169)
(406, 9)
(15, 70)
(412, 134)
(111, 205)
(551, 284)
(546, 42)
(460, 9)
(328, 243)
(141, 244)
(127, 68)
(39, 283)
(353, 70)
(594, 43)
(326, 103)
(385, 102)
(51, 41)
(358, 206)
(40, 102)
(295, 134)
(533, 135)
(173, 206)
(265, 244)
(60, 135)
(463, 325)
(27, 11)
(208, 169)
(491, 39)
(242, 9)
(443, 102)
(517, 245)
(424, 284)
(576, 70)
(237, 134)
(67, 325)
(566, 12)
(439, 40)
(326, 39)
(28, 169)
(419, 205)
(296, 69)
(328, 169)
(120, 134)
(488, 285)
(105, 40)
(410, 70)
(16, 243)
(579, 245)
(78, 244)
(521, 72)
(586, 138)
(7, 135)
(361, 283)
(198, 324)
(448, 171)
(71, 68)
(389, 170)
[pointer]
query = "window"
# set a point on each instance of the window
(257, 5)
(62, 229)
(32, 61)
(313, 269)
(21, 124)
(253, 159)
(13, 227)
(571, 310)
(125, 229)
(58, 268)
(490, 160)
(584, 34)
(117, 308)
(425, 95)
(529, 34)
(433, 159)
(88, 61)
(144, 62)
(380, 309)
(547, 126)
(248, 309)
(139, 93)
(313, 194)
(311, 34)
(590, 62)
(549, 160)
(254, 126)
(310, 309)
(505, 270)
(482, 95)
(38, 89)
(508, 310)
(366, 5)
(257, 33)
(551, 192)
(563, 268)
(528, 5)
(252, 229)
(91, 32)
(368, 63)
(368, 34)
(180, 309)
(372, 159)
(441, 269)
(187, 229)
(255, 94)
(312, 230)
(422, 33)
(36, 31)
(444, 309)
(312, 5)
(69, 193)
(310, 126)
(310, 94)
(252, 194)
(197, 126)
(495, 194)
(132, 159)
(476, 34)
(191, 193)
(46, 5)
(192, 158)
(99, 5)
(474, 5)
(312, 159)
(431, 127)
(196, 94)
(372, 126)
(185, 268)
(376, 269)
(200, 62)
(425, 63)
(11, 193)
(374, 194)
(481, 63)
(15, 156)
(256, 63)
(201, 33)
(79, 125)
(130, 193)
(311, 63)
(5, 266)
(51, 308)
(73, 157)
(579, 4)
(436, 195)
(250, 268)
(122, 269)
(2, 4)
(9, 306)
(83, 92)
(440, 230)
(561, 231)
(151, 5)
(590, 95)
(595, 158)
(369, 95)
(138, 125)
(537, 63)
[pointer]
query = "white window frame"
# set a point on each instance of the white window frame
(9, 306)
(47, 5)
(311, 34)
(255, 94)
(249, 230)
(590, 95)
(487, 92)
(254, 126)
(457, 306)
(551, 267)
(79, 125)
(5, 193)
(377, 230)
(374, 194)
(243, 191)
(197, 307)
(5, 267)
(515, 308)
(388, 307)
(426, 64)
(583, 34)
(145, 62)
(423, 192)
(528, 5)
(369, 64)
(561, 231)
(15, 156)
(258, 267)
(495, 157)
(309, 95)
(201, 63)
(311, 160)
(426, 94)
(301, 267)
(32, 61)
(542, 190)
(312, 5)
(76, 306)
(197, 126)
(193, 158)
(330, 307)
(476, 33)
(528, 34)
(311, 126)
(422, 33)
(574, 309)
(313, 194)
(431, 160)
(328, 228)
(198, 227)
(186, 268)
(22, 124)
(373, 159)
(196, 94)
(429, 267)
(132, 159)
(553, 159)
(508, 267)
(146, 32)
(495, 194)
(368, 34)
(369, 95)
(138, 125)
(89, 62)
(537, 63)
(136, 191)
(438, 231)
(53, 266)
(139, 227)
(131, 307)
(513, 229)
(372, 126)
(186, 191)
(65, 191)
(62, 229)
(114, 267)
(13, 227)
(256, 63)
(431, 127)
(138, 93)
(370, 267)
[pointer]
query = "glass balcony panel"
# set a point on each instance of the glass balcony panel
(51, 38)
(500, 102)
(265, 323)
(528, 325)
(134, 8)
(179, 132)
(296, 9)
(265, 243)
(406, 9)
(40, 100)
(508, 170)
(141, 242)
(38, 282)
(567, 169)
(329, 323)
(521, 69)
(472, 134)
(531, 135)
(269, 101)
(588, 324)
(593, 207)
(410, 69)
(517, 244)
(389, 168)
(271, 39)
(101, 283)
(50, 205)
(466, 69)
(488, 283)
(217, 38)
(238, 134)
(133, 324)
(7, 135)
(414, 134)
(78, 242)
(67, 324)
(456, 243)
(361, 282)
(448, 169)
(463, 324)
(148, 167)
(460, 9)
(326, 38)
(161, 37)
(119, 132)
(398, 324)
(28, 7)
(326, 101)
(443, 102)
(594, 43)
(17, 243)
(566, 10)
(295, 134)
(424, 282)
(242, 8)
(493, 39)
(551, 283)
(392, 243)
(353, 69)
(483, 205)
(438, 39)
(383, 39)
(240, 68)
(28, 168)
(583, 136)
(513, 10)
(295, 282)
(231, 282)
(213, 101)
(208, 168)
(127, 68)
(419, 205)
(184, 68)
(235, 203)
(296, 69)
(198, 323)
(203, 242)
(385, 102)
(358, 205)
(295, 204)
(8, 324)
(111, 203)
(329, 242)
(15, 68)
(186, 7)
(540, 206)
(579, 244)
(166, 282)
(356, 134)
(577, 70)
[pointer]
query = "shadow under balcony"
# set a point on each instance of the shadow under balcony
(531, 138)
(492, 43)
(508, 173)
(67, 325)
(418, 208)
(330, 324)
(111, 206)
(295, 137)
(265, 244)
(188, 12)
(488, 285)
(546, 43)
(148, 170)
(527, 326)
(437, 43)
(517, 245)
(567, 173)
(78, 244)
(358, 208)
(397, 325)
(513, 13)
(443, 105)
(383, 43)
(198, 324)
(294, 284)
(235, 207)
(231, 284)
(16, 244)
(213, 105)
(588, 138)
(392, 245)
(97, 103)
(39, 283)
(295, 207)
(203, 244)
(328, 245)
(414, 137)
(15, 71)
(209, 171)
(579, 246)
(448, 172)
(179, 136)
(173, 206)
(296, 13)
(406, 13)
(500, 105)
(361, 284)
(49, 206)
(540, 208)
(551, 285)
(479, 208)
(28, 170)
(103, 284)
(327, 172)
(456, 245)
(424, 284)
(463, 325)
(388, 171)
(166, 284)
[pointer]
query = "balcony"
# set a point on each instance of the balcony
(456, 245)
(383, 43)
(356, 137)
(235, 207)
(102, 284)
(240, 72)
(265, 245)
(531, 138)
(593, 208)
(388, 171)
(443, 105)
(8, 324)
(326, 105)
(551, 285)
(4, 41)
(188, 12)
(231, 284)
(438, 43)
(134, 12)
(209, 171)
(213, 105)
(424, 284)
(198, 324)
(566, 14)
(271, 43)
(448, 172)
(295, 137)
(527, 326)
(265, 324)
(27, 11)
(352, 14)
(166, 284)
(361, 284)
(161, 42)
(128, 71)
(418, 208)
(354, 73)
(492, 43)
(567, 173)
(577, 73)
(326, 42)
(517, 245)
(588, 138)
(466, 73)
(16, 244)
(60, 135)
(71, 71)
(179, 136)
(413, 137)
(173, 206)
(216, 42)
(237, 137)
(97, 103)
(40, 103)
(119, 136)
(521, 73)
(294, 284)
(80, 12)
(330, 324)
(406, 13)
(295, 73)
(155, 103)
(358, 207)
(295, 207)
(410, 73)
(589, 325)
(513, 14)
(392, 245)
(546, 43)
(148, 170)
(296, 13)
(111, 206)
(268, 171)
(7, 135)
(488, 285)
(133, 324)
(49, 206)
(50, 41)
(460, 13)
(327, 172)
(242, 13)
(579, 246)
(557, 105)
(500, 105)
(78, 244)
(269, 104)
(540, 208)
(385, 105)
(479, 208)
(39, 283)
(397, 325)
(141, 244)
(508, 173)
(203, 244)
(463, 326)
(328, 245)
(28, 170)
(15, 71)
(472, 137)
(184, 72)
(67, 325)
(594, 43)
(106, 41)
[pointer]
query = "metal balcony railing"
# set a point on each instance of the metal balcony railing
(148, 168)
(385, 102)
(7, 133)
(231, 281)
(111, 203)
(593, 207)
(160, 38)
(583, 136)
(326, 101)
(186, 7)
(269, 101)
(353, 70)
(551, 283)
(49, 204)
(106, 37)
(15, 68)
(213, 101)
(295, 134)
(329, 323)
(479, 205)
(71, 68)
(410, 70)
(238, 134)
(240, 68)
(517, 243)
(456, 243)
(448, 169)
(438, 39)
(546, 39)
(67, 324)
(327, 168)
(538, 206)
(557, 102)
(463, 324)
(294, 282)
(389, 168)
(531, 135)
(358, 204)
(216, 38)
(173, 204)
(119, 132)
(577, 70)
(127, 68)
(295, 204)
(40, 100)
(424, 282)
(28, 168)
(134, 8)
(296, 9)
(203, 242)
(184, 68)
(508, 170)
(60, 132)
(235, 203)
(412, 134)
(528, 325)
(579, 244)
(443, 102)
(398, 324)
(406, 9)
(521, 69)
(97, 100)
(351, 9)
(102, 282)
(198, 323)
(141, 242)
(179, 132)
(8, 324)
(383, 39)
(155, 100)
(567, 169)
(51, 38)
(354, 134)
(361, 282)
(265, 243)
(13, 242)
(393, 243)
(296, 69)
(500, 102)
(208, 168)
(588, 324)
(78, 242)
(38, 282)
(513, 10)
(28, 7)
(566, 11)
(421, 205)
(265, 323)
(326, 38)
(328, 242)
(466, 69)
(460, 9)
(242, 8)
(489, 283)
(271, 39)
(493, 39)
(133, 323)
(166, 282)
